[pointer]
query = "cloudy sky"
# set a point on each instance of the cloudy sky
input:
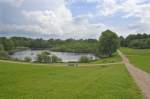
(73, 18)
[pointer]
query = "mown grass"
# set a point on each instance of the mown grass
(139, 57)
(27, 81)
(114, 59)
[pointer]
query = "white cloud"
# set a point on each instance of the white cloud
(132, 8)
(141, 11)
(51, 20)
(109, 7)
(16, 3)
(13, 28)
(61, 21)
(85, 1)
(58, 19)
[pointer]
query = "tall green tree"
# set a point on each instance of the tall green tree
(1, 47)
(122, 41)
(108, 43)
(8, 44)
(3, 53)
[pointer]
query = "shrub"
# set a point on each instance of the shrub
(27, 59)
(44, 58)
(46, 53)
(3, 53)
(55, 59)
(84, 59)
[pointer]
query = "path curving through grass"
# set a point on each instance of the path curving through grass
(141, 77)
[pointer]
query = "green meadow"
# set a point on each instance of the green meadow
(139, 57)
(30, 81)
(115, 58)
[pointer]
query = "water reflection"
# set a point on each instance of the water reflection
(65, 56)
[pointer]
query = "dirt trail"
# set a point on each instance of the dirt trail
(141, 77)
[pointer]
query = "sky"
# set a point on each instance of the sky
(79, 19)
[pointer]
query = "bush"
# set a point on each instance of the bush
(43, 58)
(27, 59)
(84, 59)
(55, 59)
(1, 47)
(46, 53)
(3, 53)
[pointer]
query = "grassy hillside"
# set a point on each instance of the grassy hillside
(139, 57)
(27, 81)
(114, 59)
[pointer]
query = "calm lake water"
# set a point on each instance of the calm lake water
(65, 56)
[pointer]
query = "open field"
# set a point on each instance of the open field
(27, 81)
(139, 57)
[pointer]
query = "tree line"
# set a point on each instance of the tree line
(13, 44)
(140, 41)
(69, 45)
(105, 46)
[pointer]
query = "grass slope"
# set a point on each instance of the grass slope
(115, 58)
(27, 81)
(139, 57)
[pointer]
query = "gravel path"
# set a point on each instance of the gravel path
(141, 77)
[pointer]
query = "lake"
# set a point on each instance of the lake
(65, 56)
